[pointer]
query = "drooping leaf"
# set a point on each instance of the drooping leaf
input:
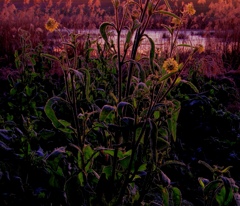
(228, 192)
(121, 108)
(211, 187)
(176, 196)
(107, 114)
(153, 140)
(191, 85)
(173, 162)
(103, 32)
(61, 125)
(168, 28)
(206, 165)
(167, 13)
(165, 179)
(152, 52)
(50, 57)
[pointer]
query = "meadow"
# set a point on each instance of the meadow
(120, 106)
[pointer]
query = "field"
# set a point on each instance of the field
(119, 103)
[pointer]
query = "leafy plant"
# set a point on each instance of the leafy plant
(119, 146)
(221, 190)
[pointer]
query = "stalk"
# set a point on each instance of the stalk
(75, 113)
(134, 49)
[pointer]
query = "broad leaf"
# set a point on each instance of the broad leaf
(62, 125)
(122, 108)
(103, 32)
(107, 114)
(176, 196)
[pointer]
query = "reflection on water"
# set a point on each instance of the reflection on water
(162, 39)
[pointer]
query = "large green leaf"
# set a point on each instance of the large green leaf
(227, 191)
(62, 125)
(107, 114)
(122, 107)
(211, 187)
(176, 196)
(89, 155)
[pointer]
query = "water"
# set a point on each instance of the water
(161, 39)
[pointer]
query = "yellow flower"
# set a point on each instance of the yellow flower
(200, 48)
(176, 21)
(170, 65)
(51, 25)
(189, 9)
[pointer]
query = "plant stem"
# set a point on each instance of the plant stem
(75, 113)
(137, 38)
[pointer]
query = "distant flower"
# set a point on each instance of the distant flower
(170, 65)
(200, 48)
(189, 9)
(176, 21)
(51, 25)
(135, 14)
